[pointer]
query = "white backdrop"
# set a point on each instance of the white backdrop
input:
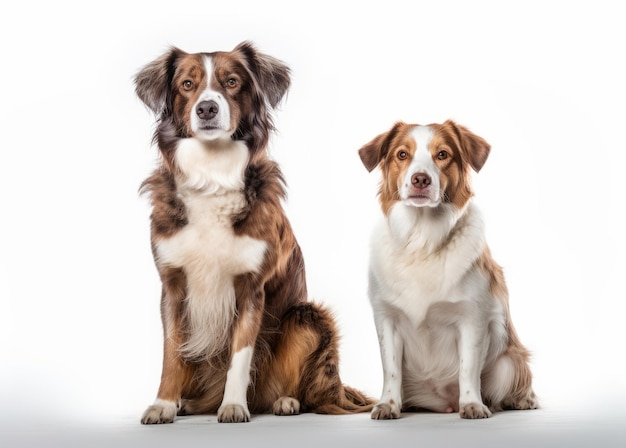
(542, 81)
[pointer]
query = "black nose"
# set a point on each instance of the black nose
(420, 180)
(207, 110)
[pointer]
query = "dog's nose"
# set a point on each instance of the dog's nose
(207, 110)
(420, 180)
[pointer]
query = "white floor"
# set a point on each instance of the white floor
(547, 427)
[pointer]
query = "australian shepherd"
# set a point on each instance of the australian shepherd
(240, 335)
(439, 299)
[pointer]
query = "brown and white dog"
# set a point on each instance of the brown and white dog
(439, 300)
(239, 334)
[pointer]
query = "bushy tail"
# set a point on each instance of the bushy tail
(351, 401)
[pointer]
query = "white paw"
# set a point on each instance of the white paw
(162, 411)
(286, 406)
(385, 411)
(233, 413)
(474, 410)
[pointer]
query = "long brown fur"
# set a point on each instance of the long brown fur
(295, 341)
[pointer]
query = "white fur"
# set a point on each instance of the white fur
(422, 162)
(237, 381)
(162, 411)
(210, 168)
(221, 122)
(211, 186)
(407, 264)
(437, 323)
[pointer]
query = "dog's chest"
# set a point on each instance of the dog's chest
(210, 185)
(211, 255)
(412, 284)
(207, 249)
(410, 275)
(208, 246)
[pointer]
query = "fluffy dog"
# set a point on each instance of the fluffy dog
(240, 336)
(439, 300)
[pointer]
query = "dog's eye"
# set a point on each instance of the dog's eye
(442, 155)
(187, 84)
(402, 155)
(231, 83)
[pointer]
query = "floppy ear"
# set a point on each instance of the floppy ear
(152, 81)
(375, 151)
(272, 75)
(476, 147)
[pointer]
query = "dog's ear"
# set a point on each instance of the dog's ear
(376, 150)
(272, 75)
(152, 81)
(475, 146)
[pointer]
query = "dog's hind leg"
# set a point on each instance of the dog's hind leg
(279, 380)
(320, 388)
(507, 384)
(304, 374)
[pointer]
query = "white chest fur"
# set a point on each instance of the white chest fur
(211, 186)
(415, 262)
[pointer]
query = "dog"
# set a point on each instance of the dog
(240, 335)
(439, 300)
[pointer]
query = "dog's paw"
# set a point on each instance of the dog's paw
(286, 406)
(528, 402)
(162, 411)
(233, 413)
(474, 410)
(385, 411)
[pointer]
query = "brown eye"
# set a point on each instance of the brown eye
(231, 83)
(402, 155)
(442, 155)
(187, 85)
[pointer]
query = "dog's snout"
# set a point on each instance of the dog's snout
(207, 110)
(420, 180)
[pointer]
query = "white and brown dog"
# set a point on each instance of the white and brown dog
(239, 333)
(439, 300)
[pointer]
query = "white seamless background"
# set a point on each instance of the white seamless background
(543, 82)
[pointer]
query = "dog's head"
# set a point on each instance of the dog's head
(213, 95)
(425, 166)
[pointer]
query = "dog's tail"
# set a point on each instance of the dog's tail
(350, 401)
(320, 388)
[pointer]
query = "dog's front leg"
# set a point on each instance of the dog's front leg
(473, 344)
(234, 407)
(391, 348)
(176, 373)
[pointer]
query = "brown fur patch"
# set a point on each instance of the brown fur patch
(168, 211)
